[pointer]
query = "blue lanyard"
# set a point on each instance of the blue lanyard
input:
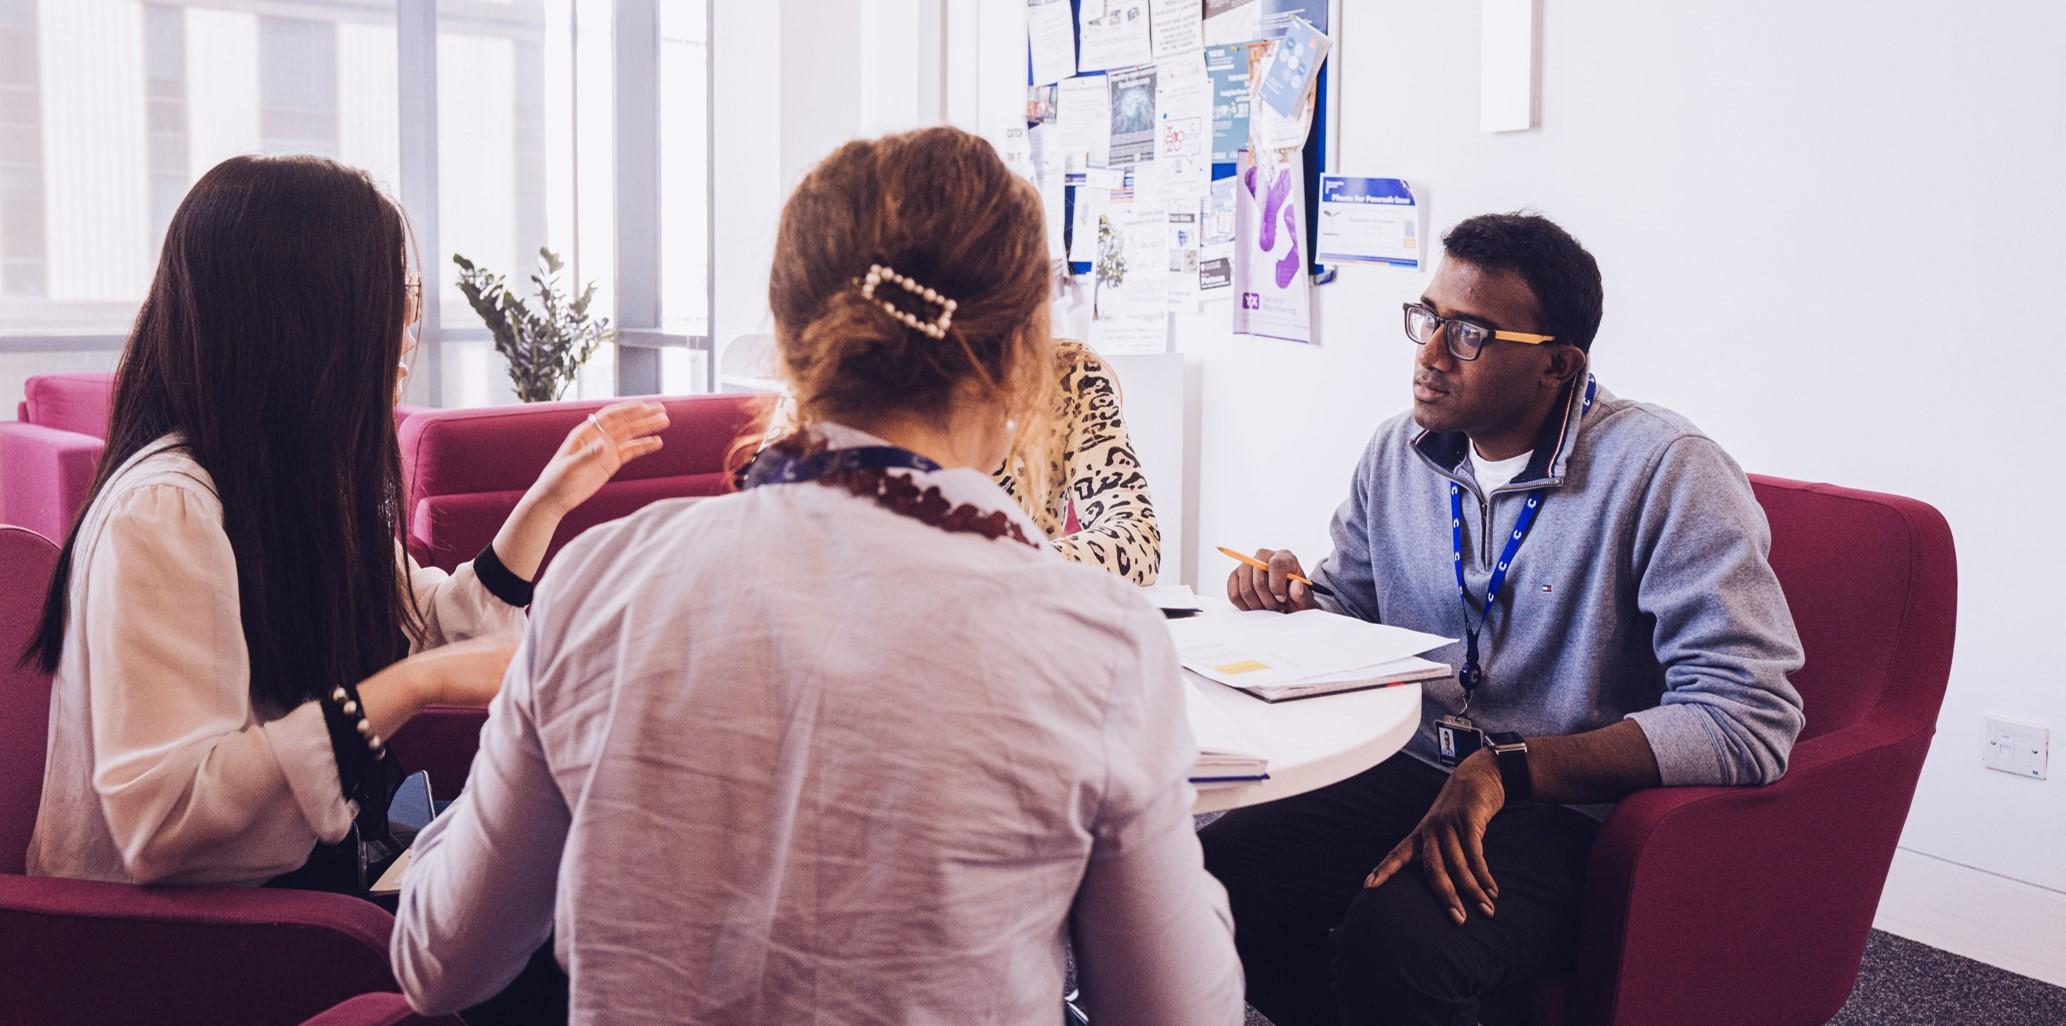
(1472, 673)
(775, 467)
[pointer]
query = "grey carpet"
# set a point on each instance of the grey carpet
(1903, 983)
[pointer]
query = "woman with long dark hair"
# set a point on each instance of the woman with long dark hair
(233, 627)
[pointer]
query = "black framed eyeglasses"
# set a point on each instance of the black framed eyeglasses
(1466, 339)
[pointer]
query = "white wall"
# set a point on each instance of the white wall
(1829, 233)
(1824, 229)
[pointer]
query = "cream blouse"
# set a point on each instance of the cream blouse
(785, 756)
(161, 768)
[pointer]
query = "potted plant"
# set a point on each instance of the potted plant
(547, 346)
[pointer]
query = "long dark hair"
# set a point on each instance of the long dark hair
(269, 341)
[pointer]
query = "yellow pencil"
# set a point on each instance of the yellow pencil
(1318, 589)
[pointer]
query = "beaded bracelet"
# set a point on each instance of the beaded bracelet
(350, 707)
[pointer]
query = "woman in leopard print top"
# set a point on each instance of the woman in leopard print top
(1090, 462)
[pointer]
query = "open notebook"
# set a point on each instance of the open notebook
(1410, 670)
(1277, 656)
(1226, 755)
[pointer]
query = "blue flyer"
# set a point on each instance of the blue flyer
(1293, 64)
(1376, 220)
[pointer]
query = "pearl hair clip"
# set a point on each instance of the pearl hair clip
(936, 328)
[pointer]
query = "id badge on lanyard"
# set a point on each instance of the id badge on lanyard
(1456, 737)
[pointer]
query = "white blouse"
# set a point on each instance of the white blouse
(788, 757)
(160, 768)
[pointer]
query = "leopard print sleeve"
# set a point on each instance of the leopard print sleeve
(1102, 476)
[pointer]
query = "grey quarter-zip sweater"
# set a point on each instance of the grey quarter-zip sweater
(1643, 590)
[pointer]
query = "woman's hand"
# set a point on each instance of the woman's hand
(593, 453)
(465, 673)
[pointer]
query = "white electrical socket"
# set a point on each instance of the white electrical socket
(2013, 746)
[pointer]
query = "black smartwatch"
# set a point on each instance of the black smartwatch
(1511, 751)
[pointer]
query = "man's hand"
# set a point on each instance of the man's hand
(1249, 588)
(1450, 840)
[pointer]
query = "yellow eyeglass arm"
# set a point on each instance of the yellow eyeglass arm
(1523, 337)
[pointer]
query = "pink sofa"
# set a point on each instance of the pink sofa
(48, 453)
(466, 469)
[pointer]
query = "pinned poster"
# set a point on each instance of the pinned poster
(1083, 118)
(1183, 128)
(1216, 244)
(1040, 104)
(1088, 213)
(1279, 14)
(1238, 21)
(1132, 138)
(1054, 210)
(1129, 275)
(1179, 27)
(1016, 149)
(1051, 36)
(1286, 76)
(1272, 292)
(1230, 69)
(1294, 64)
(1116, 37)
(1232, 21)
(1374, 220)
(1184, 244)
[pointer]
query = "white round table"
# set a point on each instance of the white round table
(1310, 742)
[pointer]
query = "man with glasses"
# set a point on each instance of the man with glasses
(1604, 564)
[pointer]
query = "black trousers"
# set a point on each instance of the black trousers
(1320, 949)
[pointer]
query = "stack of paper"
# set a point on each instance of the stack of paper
(1226, 756)
(1277, 656)
(1175, 600)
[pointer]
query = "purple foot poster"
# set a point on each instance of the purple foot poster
(1272, 292)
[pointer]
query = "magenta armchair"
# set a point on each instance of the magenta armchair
(48, 454)
(466, 469)
(1709, 906)
(84, 952)
(441, 741)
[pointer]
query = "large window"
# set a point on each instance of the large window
(97, 149)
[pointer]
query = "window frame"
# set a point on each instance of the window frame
(641, 333)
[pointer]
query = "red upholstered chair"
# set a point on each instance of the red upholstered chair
(1710, 906)
(379, 1010)
(48, 453)
(84, 952)
(441, 741)
(466, 469)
